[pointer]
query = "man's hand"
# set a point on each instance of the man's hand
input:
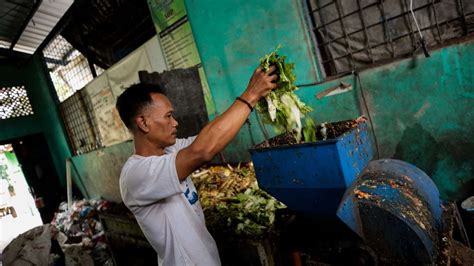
(261, 84)
(218, 133)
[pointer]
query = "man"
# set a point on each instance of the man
(154, 182)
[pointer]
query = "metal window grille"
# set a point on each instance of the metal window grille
(68, 68)
(80, 124)
(355, 34)
(14, 102)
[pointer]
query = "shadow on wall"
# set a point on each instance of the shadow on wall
(448, 161)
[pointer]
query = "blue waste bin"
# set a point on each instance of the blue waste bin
(312, 177)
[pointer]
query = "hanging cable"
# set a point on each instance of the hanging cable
(422, 39)
(250, 131)
(368, 113)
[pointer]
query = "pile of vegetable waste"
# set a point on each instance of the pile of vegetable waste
(232, 202)
(282, 108)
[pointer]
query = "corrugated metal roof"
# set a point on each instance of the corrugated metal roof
(43, 21)
(14, 15)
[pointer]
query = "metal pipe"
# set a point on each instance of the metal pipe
(68, 183)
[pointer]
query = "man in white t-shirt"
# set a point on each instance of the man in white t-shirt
(155, 183)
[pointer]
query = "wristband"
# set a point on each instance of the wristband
(247, 103)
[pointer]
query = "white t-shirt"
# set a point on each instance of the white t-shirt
(168, 211)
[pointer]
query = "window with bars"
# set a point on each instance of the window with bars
(68, 68)
(80, 123)
(351, 35)
(70, 71)
(14, 102)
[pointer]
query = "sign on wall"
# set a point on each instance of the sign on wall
(125, 72)
(110, 126)
(177, 41)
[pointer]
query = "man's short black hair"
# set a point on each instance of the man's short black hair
(133, 100)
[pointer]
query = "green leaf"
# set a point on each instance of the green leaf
(289, 108)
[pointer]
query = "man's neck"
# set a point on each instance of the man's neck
(145, 148)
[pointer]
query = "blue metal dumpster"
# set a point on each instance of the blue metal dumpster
(312, 177)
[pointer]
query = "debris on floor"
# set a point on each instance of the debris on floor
(34, 247)
(75, 237)
(84, 232)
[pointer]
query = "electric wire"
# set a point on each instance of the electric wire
(368, 113)
(249, 127)
(414, 18)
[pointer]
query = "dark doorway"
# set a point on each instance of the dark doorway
(36, 163)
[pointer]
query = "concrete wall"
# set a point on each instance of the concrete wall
(421, 107)
(99, 171)
(46, 118)
(232, 36)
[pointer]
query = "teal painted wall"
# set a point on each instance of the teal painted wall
(99, 171)
(46, 118)
(420, 107)
(421, 110)
(232, 35)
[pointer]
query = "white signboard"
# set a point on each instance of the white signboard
(110, 126)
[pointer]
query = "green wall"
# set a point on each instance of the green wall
(99, 171)
(423, 113)
(232, 36)
(46, 119)
(420, 107)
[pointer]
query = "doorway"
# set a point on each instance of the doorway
(37, 165)
(18, 212)
(37, 192)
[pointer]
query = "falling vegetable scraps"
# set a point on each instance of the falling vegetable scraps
(282, 108)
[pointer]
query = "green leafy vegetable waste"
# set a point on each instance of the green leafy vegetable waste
(282, 108)
(232, 202)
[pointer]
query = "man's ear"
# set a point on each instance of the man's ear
(141, 123)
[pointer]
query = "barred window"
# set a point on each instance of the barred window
(352, 35)
(68, 68)
(80, 124)
(14, 102)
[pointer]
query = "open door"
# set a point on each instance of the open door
(18, 212)
(36, 163)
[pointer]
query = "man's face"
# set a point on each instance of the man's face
(160, 121)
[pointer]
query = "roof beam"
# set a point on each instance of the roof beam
(25, 23)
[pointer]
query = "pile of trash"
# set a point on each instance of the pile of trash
(74, 237)
(83, 229)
